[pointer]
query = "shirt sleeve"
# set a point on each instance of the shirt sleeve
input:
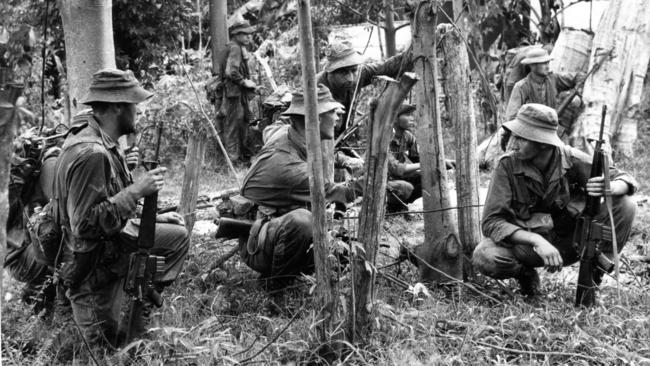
(93, 213)
(391, 67)
(233, 64)
(565, 81)
(498, 215)
(515, 102)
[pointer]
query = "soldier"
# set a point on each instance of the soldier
(540, 85)
(96, 199)
(531, 207)
(404, 175)
(278, 183)
(235, 91)
(346, 70)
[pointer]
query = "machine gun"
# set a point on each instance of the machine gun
(145, 268)
(589, 235)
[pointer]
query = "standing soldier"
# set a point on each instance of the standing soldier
(96, 199)
(234, 92)
(541, 85)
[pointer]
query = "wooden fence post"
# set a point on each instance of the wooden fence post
(373, 205)
(441, 248)
(461, 113)
(194, 157)
(326, 289)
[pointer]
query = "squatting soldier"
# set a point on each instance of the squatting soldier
(404, 175)
(540, 85)
(97, 199)
(532, 203)
(235, 91)
(278, 183)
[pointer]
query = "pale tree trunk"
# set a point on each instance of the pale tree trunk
(88, 31)
(460, 107)
(8, 128)
(218, 31)
(624, 30)
(441, 248)
(373, 205)
(326, 288)
(389, 28)
(194, 157)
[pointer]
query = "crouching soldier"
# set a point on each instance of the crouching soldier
(531, 207)
(278, 183)
(96, 198)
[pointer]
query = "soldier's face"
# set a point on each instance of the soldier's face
(244, 38)
(343, 78)
(406, 121)
(542, 69)
(327, 122)
(523, 149)
(126, 118)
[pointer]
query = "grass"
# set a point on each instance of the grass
(226, 317)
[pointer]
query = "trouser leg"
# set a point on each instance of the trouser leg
(398, 193)
(233, 128)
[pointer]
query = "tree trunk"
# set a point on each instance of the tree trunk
(624, 29)
(441, 247)
(218, 31)
(194, 157)
(389, 28)
(8, 129)
(326, 289)
(88, 31)
(461, 114)
(374, 205)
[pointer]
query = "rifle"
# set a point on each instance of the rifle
(590, 234)
(576, 90)
(144, 268)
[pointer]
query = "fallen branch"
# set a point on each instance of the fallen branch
(275, 338)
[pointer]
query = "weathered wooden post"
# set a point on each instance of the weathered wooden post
(218, 30)
(373, 205)
(441, 248)
(461, 113)
(326, 289)
(8, 128)
(194, 157)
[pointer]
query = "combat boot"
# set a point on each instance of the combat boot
(529, 282)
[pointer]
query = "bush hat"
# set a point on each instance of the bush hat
(406, 108)
(536, 122)
(326, 102)
(241, 26)
(115, 86)
(536, 56)
(342, 55)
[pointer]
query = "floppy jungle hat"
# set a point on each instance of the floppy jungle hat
(326, 102)
(241, 26)
(536, 56)
(115, 86)
(342, 55)
(536, 122)
(406, 108)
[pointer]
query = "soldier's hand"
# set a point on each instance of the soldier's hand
(596, 187)
(550, 255)
(170, 218)
(132, 158)
(150, 182)
(248, 84)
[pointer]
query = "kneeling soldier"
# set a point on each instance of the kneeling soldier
(278, 183)
(531, 207)
(96, 199)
